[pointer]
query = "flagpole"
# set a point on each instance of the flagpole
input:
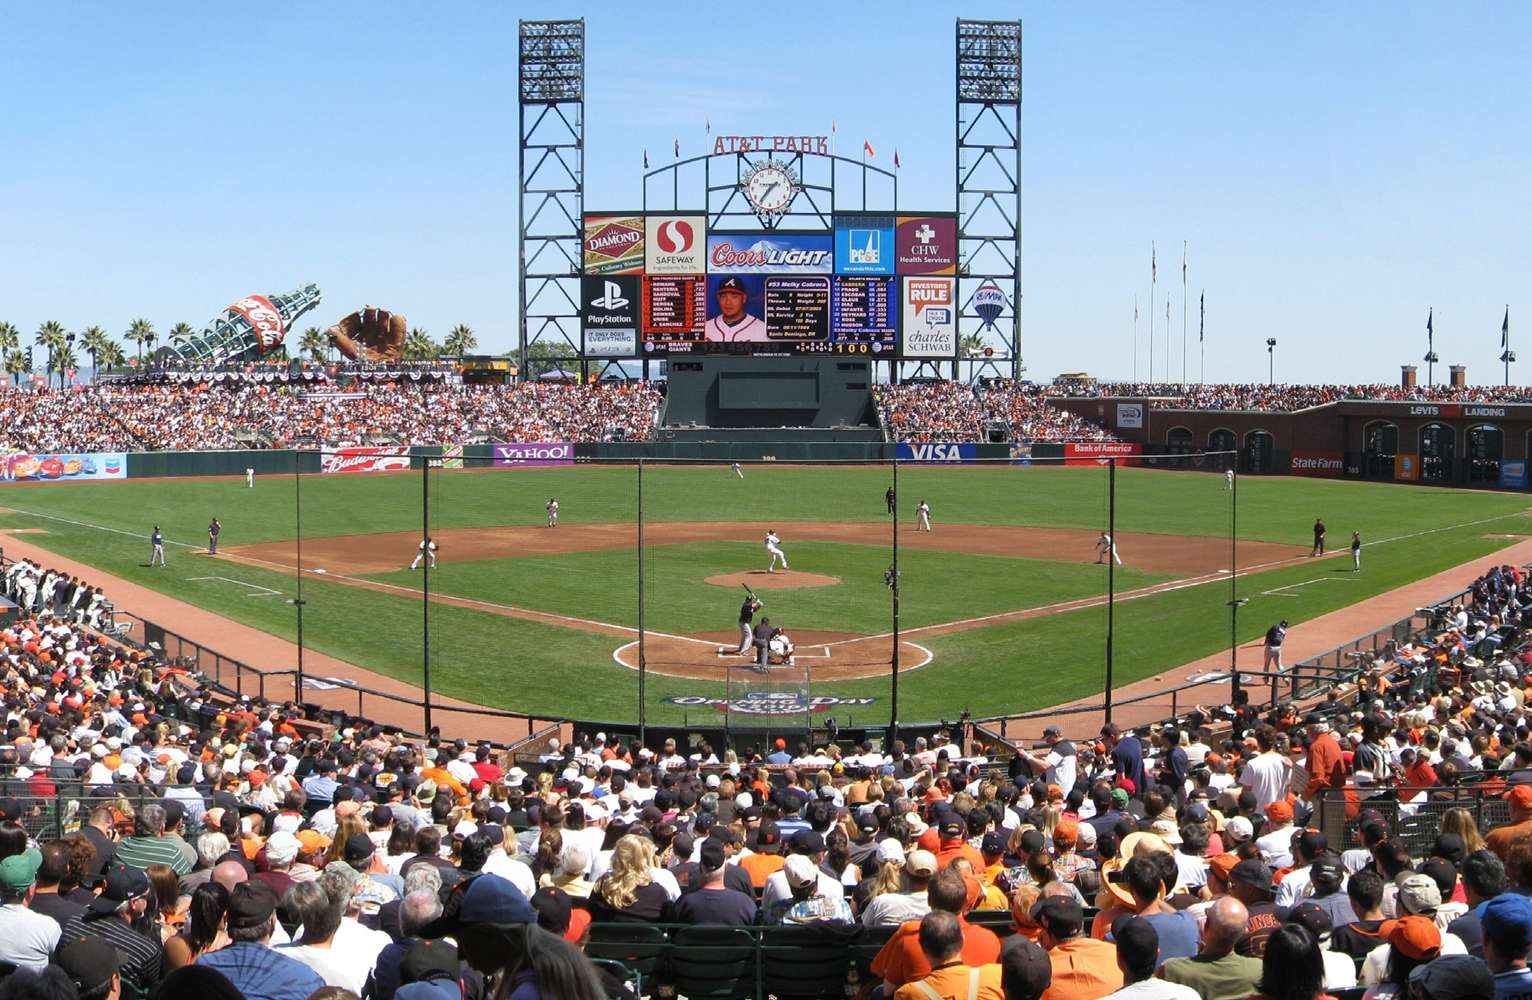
(1202, 332)
(1152, 279)
(1167, 338)
(1135, 336)
(1183, 313)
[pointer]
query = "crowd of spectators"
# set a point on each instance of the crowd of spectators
(1025, 411)
(928, 411)
(110, 418)
(1280, 398)
(233, 847)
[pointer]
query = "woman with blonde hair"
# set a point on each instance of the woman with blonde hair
(890, 874)
(628, 891)
(1461, 822)
(345, 828)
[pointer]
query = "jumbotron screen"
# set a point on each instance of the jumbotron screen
(662, 285)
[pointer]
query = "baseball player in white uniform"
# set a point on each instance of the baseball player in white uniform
(553, 512)
(923, 515)
(737, 470)
(249, 478)
(772, 543)
(1106, 546)
(426, 551)
(1228, 479)
(733, 323)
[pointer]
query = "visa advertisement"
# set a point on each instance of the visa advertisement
(957, 452)
(22, 466)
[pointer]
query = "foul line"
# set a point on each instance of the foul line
(265, 591)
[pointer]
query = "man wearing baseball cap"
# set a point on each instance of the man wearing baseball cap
(1058, 764)
(91, 965)
(731, 322)
(1502, 838)
(1507, 923)
(893, 908)
(111, 916)
(26, 940)
(1083, 968)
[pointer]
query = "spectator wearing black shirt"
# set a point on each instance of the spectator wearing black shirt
(714, 902)
(47, 900)
(1483, 877)
(1359, 938)
(1127, 754)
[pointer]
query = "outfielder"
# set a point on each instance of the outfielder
(1228, 479)
(772, 543)
(923, 515)
(747, 612)
(1107, 546)
(1356, 552)
(249, 478)
(426, 551)
(213, 529)
(553, 512)
(737, 470)
(157, 547)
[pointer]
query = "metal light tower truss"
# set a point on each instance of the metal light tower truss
(989, 190)
(551, 167)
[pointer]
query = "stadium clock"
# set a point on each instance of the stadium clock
(770, 187)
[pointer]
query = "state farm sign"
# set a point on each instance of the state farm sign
(1325, 464)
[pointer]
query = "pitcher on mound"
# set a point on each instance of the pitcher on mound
(772, 543)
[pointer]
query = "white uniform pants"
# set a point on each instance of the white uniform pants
(776, 554)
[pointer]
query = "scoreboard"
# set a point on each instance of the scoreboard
(660, 284)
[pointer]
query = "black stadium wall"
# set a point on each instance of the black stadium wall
(725, 392)
(1450, 444)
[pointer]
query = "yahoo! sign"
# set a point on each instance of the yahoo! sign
(537, 453)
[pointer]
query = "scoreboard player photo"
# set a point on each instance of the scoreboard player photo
(732, 321)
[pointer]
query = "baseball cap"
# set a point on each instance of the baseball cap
(89, 961)
(1508, 914)
(1166, 830)
(1054, 730)
(1313, 917)
(1454, 977)
(712, 857)
(889, 849)
(359, 847)
(1413, 936)
(427, 960)
(1252, 873)
(555, 909)
(483, 899)
(1520, 797)
(1060, 915)
(19, 871)
(733, 284)
(122, 884)
(807, 842)
(1025, 964)
(1238, 829)
(1279, 812)
(1222, 865)
(1418, 894)
(1440, 871)
(994, 843)
(767, 837)
(921, 863)
(800, 871)
(251, 904)
(1120, 796)
(1449, 846)
(953, 826)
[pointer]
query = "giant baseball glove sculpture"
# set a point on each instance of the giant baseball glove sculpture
(371, 334)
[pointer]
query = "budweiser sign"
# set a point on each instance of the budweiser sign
(387, 459)
(264, 321)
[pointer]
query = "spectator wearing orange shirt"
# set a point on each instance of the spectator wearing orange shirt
(1083, 968)
(1327, 765)
(1502, 838)
(1417, 768)
(767, 857)
(901, 960)
(953, 844)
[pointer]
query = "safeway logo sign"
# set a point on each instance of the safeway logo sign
(674, 244)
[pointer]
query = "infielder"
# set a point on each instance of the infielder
(426, 551)
(747, 612)
(737, 470)
(772, 543)
(923, 515)
(157, 547)
(553, 512)
(249, 478)
(1106, 546)
(213, 529)
(1228, 479)
(1356, 552)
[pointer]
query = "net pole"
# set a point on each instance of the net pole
(1234, 586)
(298, 599)
(893, 700)
(1111, 576)
(643, 702)
(425, 589)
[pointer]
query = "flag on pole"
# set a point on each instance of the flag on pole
(1154, 269)
(1202, 316)
(867, 148)
(707, 125)
(1430, 333)
(1183, 262)
(646, 159)
(896, 159)
(832, 126)
(1505, 329)
(678, 149)
(1135, 308)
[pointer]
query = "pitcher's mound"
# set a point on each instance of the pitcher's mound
(782, 579)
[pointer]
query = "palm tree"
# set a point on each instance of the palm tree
(52, 336)
(460, 341)
(15, 366)
(277, 355)
(180, 332)
(140, 332)
(111, 355)
(418, 346)
(314, 344)
(92, 340)
(10, 338)
(65, 361)
(971, 345)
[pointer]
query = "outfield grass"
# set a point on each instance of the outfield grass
(548, 670)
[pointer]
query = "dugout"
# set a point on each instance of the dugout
(742, 392)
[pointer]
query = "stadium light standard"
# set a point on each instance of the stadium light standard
(1271, 360)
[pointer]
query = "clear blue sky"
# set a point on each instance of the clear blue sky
(1337, 169)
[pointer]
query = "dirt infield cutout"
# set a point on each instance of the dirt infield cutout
(760, 579)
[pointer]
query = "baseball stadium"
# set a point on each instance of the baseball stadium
(760, 551)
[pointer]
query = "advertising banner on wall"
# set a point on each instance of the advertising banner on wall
(674, 244)
(610, 307)
(751, 253)
(864, 244)
(1098, 452)
(392, 458)
(1130, 415)
(930, 318)
(534, 453)
(1407, 468)
(962, 451)
(1513, 473)
(926, 244)
(1323, 464)
(22, 466)
(614, 244)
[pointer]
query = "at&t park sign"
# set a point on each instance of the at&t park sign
(816, 144)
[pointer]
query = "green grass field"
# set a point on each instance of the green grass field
(546, 669)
